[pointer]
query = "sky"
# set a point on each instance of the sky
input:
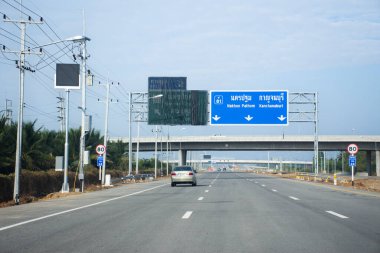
(331, 47)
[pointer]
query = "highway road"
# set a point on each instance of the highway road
(226, 212)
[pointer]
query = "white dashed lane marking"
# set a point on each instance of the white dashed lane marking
(187, 215)
(294, 198)
(274, 190)
(337, 214)
(200, 198)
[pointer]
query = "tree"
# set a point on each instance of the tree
(7, 146)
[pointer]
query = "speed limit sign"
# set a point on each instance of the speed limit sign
(100, 149)
(352, 149)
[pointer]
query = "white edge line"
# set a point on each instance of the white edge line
(187, 215)
(75, 209)
(337, 214)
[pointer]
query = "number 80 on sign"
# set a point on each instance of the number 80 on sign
(352, 149)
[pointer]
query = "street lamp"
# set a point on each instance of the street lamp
(81, 39)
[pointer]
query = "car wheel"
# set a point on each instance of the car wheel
(195, 184)
(173, 184)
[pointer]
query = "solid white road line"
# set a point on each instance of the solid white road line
(337, 214)
(294, 198)
(274, 190)
(201, 198)
(78, 208)
(187, 215)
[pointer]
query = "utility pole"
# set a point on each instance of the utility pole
(21, 66)
(106, 128)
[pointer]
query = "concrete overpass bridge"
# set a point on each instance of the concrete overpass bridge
(368, 143)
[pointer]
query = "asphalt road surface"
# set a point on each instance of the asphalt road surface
(226, 212)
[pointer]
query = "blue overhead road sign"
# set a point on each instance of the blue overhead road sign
(249, 107)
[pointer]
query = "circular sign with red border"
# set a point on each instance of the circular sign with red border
(352, 149)
(100, 149)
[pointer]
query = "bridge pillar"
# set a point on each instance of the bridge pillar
(368, 162)
(182, 157)
(377, 163)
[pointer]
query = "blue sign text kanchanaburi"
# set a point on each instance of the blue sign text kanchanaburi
(249, 108)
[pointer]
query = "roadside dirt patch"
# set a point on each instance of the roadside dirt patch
(367, 184)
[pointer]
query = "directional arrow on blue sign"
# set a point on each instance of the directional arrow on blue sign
(249, 107)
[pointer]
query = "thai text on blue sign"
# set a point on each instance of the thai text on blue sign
(249, 107)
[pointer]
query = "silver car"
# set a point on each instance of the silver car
(183, 175)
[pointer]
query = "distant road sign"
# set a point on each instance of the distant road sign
(352, 149)
(352, 161)
(167, 83)
(249, 107)
(100, 149)
(99, 161)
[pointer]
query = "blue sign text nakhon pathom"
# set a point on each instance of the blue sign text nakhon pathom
(249, 107)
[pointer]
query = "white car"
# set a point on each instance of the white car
(183, 175)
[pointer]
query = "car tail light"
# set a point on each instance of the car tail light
(191, 173)
(173, 174)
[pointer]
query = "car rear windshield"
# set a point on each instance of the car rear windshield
(182, 169)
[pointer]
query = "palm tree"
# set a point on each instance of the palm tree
(7, 146)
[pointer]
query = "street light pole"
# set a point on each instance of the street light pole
(155, 154)
(106, 133)
(130, 135)
(167, 154)
(65, 186)
(83, 132)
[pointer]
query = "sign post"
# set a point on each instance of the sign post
(100, 150)
(99, 163)
(352, 149)
(249, 108)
